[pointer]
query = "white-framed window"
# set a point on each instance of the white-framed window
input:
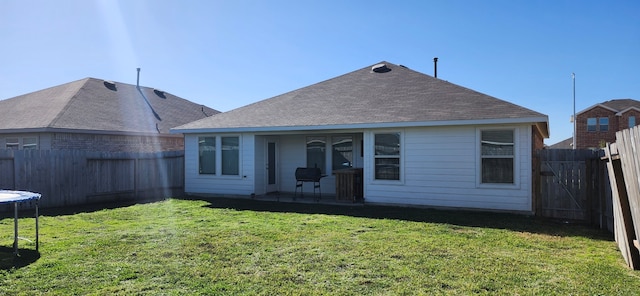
(497, 156)
(333, 152)
(230, 155)
(632, 121)
(599, 124)
(603, 122)
(20, 143)
(219, 155)
(12, 143)
(387, 156)
(592, 124)
(317, 152)
(30, 143)
(341, 152)
(207, 155)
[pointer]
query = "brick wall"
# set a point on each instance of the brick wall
(537, 139)
(624, 119)
(595, 139)
(116, 143)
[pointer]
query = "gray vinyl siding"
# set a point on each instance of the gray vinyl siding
(260, 170)
(441, 169)
(243, 184)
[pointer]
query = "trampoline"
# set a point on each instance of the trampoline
(16, 197)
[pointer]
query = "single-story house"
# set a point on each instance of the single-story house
(97, 115)
(419, 140)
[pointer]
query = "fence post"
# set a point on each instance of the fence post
(537, 186)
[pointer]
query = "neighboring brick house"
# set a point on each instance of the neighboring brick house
(598, 124)
(94, 114)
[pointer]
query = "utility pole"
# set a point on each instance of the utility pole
(573, 77)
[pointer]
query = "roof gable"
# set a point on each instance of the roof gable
(37, 109)
(365, 97)
(97, 105)
(615, 106)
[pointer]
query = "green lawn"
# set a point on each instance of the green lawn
(221, 246)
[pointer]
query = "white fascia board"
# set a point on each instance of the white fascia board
(533, 120)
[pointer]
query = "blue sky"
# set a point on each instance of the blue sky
(226, 54)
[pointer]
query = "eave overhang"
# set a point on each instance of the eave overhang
(541, 122)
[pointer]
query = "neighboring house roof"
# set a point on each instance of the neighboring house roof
(564, 144)
(390, 96)
(617, 106)
(92, 104)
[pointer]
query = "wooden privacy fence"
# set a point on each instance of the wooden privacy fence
(623, 164)
(74, 177)
(571, 186)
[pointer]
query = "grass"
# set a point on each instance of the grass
(221, 246)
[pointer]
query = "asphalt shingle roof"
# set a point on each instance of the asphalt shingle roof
(95, 105)
(564, 144)
(367, 97)
(622, 104)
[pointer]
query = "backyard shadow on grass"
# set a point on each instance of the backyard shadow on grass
(507, 221)
(10, 261)
(88, 208)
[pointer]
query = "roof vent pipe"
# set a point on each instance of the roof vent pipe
(138, 80)
(435, 67)
(380, 68)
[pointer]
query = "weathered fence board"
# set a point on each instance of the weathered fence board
(623, 158)
(623, 225)
(110, 175)
(6, 179)
(628, 142)
(74, 177)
